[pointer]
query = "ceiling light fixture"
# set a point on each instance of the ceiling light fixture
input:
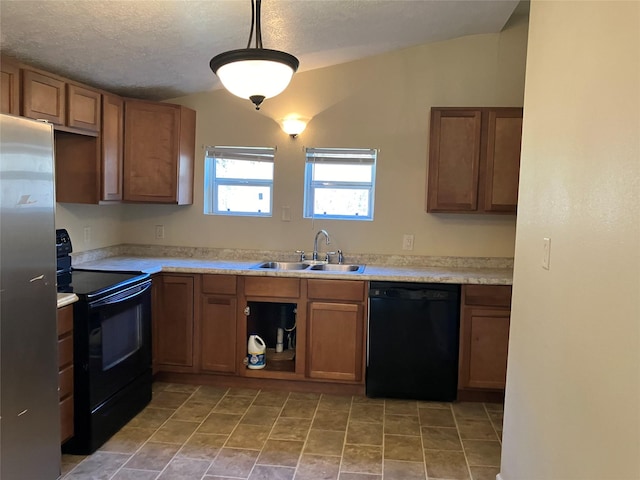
(254, 73)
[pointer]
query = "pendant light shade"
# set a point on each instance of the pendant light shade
(254, 73)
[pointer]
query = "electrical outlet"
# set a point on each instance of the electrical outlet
(546, 252)
(87, 234)
(407, 242)
(159, 232)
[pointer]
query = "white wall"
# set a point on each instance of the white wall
(573, 385)
(381, 102)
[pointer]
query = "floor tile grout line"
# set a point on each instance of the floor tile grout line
(234, 429)
(270, 431)
(131, 455)
(493, 425)
(344, 439)
(183, 443)
(306, 439)
(464, 450)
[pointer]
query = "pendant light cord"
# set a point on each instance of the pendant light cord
(255, 21)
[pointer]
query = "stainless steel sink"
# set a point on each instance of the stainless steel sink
(282, 266)
(332, 267)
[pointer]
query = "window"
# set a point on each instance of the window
(238, 181)
(339, 183)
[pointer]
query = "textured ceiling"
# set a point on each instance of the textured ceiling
(160, 49)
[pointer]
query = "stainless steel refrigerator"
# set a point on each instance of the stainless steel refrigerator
(29, 411)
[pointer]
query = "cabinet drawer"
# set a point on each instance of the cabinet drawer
(65, 351)
(65, 381)
(221, 284)
(66, 419)
(487, 295)
(336, 290)
(272, 287)
(65, 320)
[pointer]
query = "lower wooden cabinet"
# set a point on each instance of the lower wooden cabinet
(335, 330)
(217, 321)
(484, 337)
(65, 371)
(334, 350)
(173, 322)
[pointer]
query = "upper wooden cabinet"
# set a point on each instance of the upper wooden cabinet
(112, 148)
(49, 97)
(474, 160)
(83, 108)
(10, 86)
(159, 150)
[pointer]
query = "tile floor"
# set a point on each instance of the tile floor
(207, 433)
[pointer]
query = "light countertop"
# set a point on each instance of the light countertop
(427, 274)
(65, 299)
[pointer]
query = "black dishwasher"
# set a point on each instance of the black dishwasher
(413, 341)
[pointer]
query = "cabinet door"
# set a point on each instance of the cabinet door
(218, 333)
(43, 97)
(485, 339)
(454, 160)
(503, 160)
(335, 345)
(83, 108)
(112, 143)
(173, 322)
(151, 152)
(9, 89)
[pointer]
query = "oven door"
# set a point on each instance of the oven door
(119, 341)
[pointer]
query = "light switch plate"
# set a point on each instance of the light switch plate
(546, 252)
(407, 242)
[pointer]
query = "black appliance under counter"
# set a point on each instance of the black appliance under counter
(413, 340)
(111, 347)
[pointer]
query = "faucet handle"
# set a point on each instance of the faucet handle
(340, 257)
(301, 253)
(327, 257)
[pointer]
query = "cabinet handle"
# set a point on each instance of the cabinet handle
(218, 301)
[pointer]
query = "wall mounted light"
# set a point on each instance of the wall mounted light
(254, 73)
(293, 126)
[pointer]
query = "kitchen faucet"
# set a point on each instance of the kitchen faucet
(315, 243)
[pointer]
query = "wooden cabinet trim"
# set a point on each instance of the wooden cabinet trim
(321, 289)
(10, 86)
(487, 295)
(220, 284)
(112, 148)
(280, 287)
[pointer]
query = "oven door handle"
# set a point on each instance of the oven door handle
(123, 296)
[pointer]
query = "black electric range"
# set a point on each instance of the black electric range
(91, 284)
(111, 348)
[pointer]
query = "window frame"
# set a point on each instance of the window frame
(338, 156)
(212, 183)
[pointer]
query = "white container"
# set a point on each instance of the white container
(280, 340)
(256, 349)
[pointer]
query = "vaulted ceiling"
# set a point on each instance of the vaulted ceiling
(160, 49)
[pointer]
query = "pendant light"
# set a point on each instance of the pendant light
(254, 73)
